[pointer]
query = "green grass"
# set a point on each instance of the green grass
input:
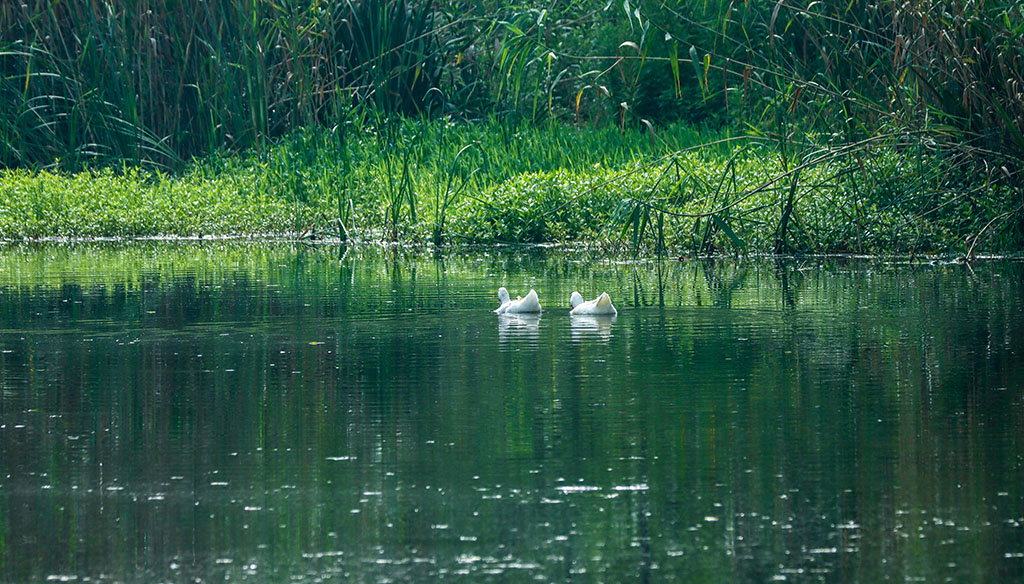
(306, 181)
(691, 191)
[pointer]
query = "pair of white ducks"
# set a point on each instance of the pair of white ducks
(602, 305)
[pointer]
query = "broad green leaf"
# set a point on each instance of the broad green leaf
(728, 231)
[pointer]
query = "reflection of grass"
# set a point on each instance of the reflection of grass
(461, 277)
(661, 405)
(517, 184)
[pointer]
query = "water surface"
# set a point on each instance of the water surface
(272, 413)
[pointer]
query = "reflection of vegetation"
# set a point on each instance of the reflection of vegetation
(316, 272)
(873, 400)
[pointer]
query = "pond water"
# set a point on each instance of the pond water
(268, 412)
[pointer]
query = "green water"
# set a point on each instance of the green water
(280, 413)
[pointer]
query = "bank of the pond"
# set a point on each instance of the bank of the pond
(487, 183)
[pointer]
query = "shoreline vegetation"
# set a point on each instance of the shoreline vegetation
(681, 128)
(486, 184)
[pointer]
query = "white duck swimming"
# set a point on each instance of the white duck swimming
(602, 305)
(520, 305)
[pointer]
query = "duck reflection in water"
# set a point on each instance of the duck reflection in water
(586, 327)
(518, 327)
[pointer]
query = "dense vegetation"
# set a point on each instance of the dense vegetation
(869, 125)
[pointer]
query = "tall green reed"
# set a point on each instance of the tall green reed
(150, 82)
(837, 83)
(455, 182)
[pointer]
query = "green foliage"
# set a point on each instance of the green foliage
(867, 126)
(418, 180)
(391, 51)
(158, 83)
(539, 207)
(466, 183)
(136, 203)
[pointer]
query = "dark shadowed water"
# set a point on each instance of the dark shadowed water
(277, 413)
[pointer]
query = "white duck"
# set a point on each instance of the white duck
(520, 305)
(600, 306)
